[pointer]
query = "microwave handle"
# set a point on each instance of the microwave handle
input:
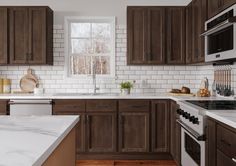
(223, 25)
(191, 131)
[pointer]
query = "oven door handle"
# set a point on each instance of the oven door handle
(191, 131)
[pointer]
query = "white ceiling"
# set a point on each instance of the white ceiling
(93, 7)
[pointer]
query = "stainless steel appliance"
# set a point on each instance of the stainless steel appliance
(193, 123)
(192, 135)
(30, 107)
(220, 36)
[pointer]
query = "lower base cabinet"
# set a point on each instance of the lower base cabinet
(134, 131)
(175, 133)
(4, 107)
(160, 126)
(121, 129)
(101, 132)
(220, 144)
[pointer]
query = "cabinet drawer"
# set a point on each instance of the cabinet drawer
(223, 160)
(101, 105)
(134, 105)
(69, 106)
(226, 141)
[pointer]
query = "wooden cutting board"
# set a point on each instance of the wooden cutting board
(182, 94)
(28, 82)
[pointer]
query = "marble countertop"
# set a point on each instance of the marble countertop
(104, 96)
(29, 141)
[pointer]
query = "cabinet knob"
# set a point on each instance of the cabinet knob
(234, 159)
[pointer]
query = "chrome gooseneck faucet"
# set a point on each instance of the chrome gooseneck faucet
(95, 88)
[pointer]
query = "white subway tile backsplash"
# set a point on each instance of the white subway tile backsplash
(158, 78)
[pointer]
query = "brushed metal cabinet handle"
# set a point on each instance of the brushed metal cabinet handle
(234, 160)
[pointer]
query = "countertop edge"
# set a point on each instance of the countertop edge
(221, 119)
(50, 149)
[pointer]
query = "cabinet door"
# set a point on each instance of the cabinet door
(3, 36)
(227, 3)
(211, 143)
(175, 132)
(176, 35)
(136, 35)
(18, 35)
(80, 130)
(199, 18)
(160, 126)
(156, 35)
(223, 160)
(189, 35)
(213, 7)
(4, 107)
(37, 35)
(101, 132)
(134, 132)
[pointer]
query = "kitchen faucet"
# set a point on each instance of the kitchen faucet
(95, 88)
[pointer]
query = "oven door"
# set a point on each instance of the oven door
(192, 150)
(220, 45)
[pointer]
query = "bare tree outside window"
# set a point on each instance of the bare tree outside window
(90, 42)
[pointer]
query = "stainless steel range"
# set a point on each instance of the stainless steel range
(193, 123)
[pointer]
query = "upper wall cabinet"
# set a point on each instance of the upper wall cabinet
(30, 36)
(199, 16)
(152, 35)
(3, 35)
(145, 30)
(175, 35)
(216, 6)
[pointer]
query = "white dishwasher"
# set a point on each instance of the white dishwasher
(30, 107)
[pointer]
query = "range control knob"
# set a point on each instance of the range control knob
(191, 118)
(180, 112)
(195, 121)
(186, 115)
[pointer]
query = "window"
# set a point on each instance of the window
(90, 46)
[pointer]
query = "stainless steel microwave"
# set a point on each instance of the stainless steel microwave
(220, 36)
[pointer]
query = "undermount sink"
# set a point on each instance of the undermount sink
(86, 94)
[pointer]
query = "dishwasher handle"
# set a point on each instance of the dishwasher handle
(40, 102)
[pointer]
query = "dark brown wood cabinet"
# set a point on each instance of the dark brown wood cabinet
(73, 107)
(101, 130)
(175, 35)
(145, 35)
(120, 129)
(189, 34)
(216, 6)
(175, 133)
(134, 131)
(18, 25)
(26, 35)
(199, 17)
(211, 143)
(3, 35)
(4, 110)
(160, 126)
(220, 144)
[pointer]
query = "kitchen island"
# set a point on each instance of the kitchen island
(35, 141)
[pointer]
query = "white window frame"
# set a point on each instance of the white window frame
(73, 19)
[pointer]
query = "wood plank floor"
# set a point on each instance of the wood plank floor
(126, 163)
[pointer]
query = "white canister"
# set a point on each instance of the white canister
(38, 91)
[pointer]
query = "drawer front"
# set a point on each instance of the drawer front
(223, 160)
(69, 106)
(226, 141)
(101, 105)
(134, 105)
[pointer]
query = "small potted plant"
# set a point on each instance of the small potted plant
(126, 87)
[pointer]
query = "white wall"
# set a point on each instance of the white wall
(92, 7)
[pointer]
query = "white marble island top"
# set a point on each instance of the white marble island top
(29, 141)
